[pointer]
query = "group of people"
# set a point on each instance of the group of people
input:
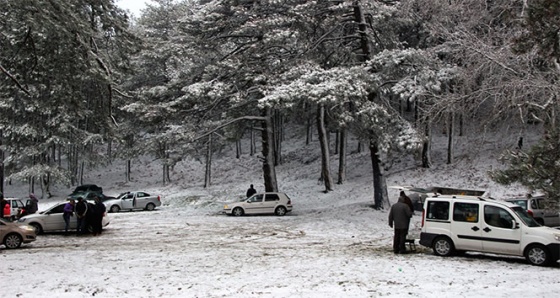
(86, 214)
(399, 218)
(31, 207)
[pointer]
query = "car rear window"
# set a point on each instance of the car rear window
(438, 210)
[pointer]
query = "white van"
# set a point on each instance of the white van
(453, 224)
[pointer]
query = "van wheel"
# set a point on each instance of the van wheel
(443, 246)
(537, 255)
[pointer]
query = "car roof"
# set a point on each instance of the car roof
(12, 199)
(472, 198)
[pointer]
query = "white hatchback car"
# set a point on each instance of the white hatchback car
(263, 203)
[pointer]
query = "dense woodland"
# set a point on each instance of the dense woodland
(83, 83)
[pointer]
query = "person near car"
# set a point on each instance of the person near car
(407, 200)
(251, 191)
(81, 215)
(399, 219)
(6, 208)
(67, 213)
(33, 205)
(97, 217)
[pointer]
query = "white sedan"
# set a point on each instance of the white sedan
(51, 220)
(132, 201)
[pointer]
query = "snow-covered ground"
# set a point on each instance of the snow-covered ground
(331, 245)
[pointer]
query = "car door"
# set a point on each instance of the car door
(499, 234)
(127, 201)
(54, 220)
(270, 202)
(142, 199)
(466, 226)
(254, 204)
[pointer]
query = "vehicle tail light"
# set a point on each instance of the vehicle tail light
(530, 212)
(159, 198)
(423, 213)
(289, 202)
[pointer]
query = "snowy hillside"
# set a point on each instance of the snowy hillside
(332, 244)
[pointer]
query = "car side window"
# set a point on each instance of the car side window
(535, 204)
(497, 217)
(271, 198)
(58, 209)
(142, 194)
(129, 196)
(438, 210)
(256, 198)
(465, 212)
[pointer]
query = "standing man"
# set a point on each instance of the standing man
(81, 212)
(399, 217)
(251, 191)
(97, 217)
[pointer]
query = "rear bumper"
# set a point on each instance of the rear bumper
(426, 239)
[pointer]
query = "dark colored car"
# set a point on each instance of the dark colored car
(89, 195)
(87, 188)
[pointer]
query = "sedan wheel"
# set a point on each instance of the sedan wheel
(280, 211)
(537, 255)
(237, 211)
(443, 247)
(150, 207)
(37, 227)
(13, 241)
(115, 209)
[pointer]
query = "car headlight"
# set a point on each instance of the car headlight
(22, 219)
(28, 228)
(226, 207)
(557, 237)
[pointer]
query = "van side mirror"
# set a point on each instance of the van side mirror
(514, 224)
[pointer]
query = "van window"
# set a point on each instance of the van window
(497, 217)
(465, 212)
(438, 210)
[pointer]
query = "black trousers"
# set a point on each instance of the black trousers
(399, 240)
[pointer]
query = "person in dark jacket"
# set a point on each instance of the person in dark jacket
(81, 213)
(97, 217)
(251, 191)
(399, 218)
(407, 201)
(33, 205)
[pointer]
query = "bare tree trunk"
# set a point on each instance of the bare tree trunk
(342, 156)
(253, 142)
(237, 149)
(278, 137)
(427, 146)
(379, 184)
(128, 170)
(269, 170)
(450, 130)
(325, 155)
(208, 172)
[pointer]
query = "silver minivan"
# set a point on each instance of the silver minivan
(453, 224)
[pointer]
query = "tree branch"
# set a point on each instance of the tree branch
(14, 80)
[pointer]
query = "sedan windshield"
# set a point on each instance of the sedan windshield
(526, 218)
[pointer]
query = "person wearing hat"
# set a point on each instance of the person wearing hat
(81, 212)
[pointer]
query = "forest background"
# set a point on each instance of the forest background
(83, 83)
